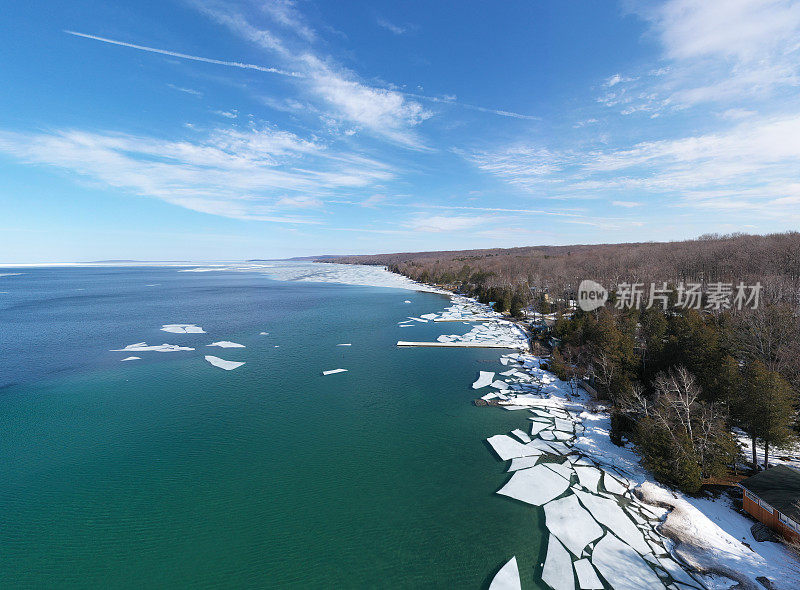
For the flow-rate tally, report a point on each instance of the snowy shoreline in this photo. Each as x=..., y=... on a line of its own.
x=623, y=526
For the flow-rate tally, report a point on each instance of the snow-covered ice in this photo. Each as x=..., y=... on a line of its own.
x=622, y=566
x=226, y=344
x=144, y=347
x=484, y=379
x=508, y=448
x=537, y=485
x=523, y=436
x=523, y=462
x=334, y=371
x=222, y=363
x=557, y=570
x=609, y=513
x=587, y=576
x=612, y=484
x=589, y=477
x=182, y=329
x=507, y=578
x=571, y=523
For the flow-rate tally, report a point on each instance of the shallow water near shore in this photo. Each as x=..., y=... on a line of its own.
x=167, y=471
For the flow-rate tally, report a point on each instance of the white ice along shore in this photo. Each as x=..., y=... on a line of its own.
x=608, y=521
x=222, y=363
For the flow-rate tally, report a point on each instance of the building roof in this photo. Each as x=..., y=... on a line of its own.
x=779, y=487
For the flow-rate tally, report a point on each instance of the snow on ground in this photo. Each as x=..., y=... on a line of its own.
x=507, y=578
x=788, y=456
x=222, y=363
x=647, y=542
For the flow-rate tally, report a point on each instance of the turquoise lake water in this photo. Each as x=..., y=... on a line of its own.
x=169, y=472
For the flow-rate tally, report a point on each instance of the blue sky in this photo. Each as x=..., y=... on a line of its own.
x=215, y=130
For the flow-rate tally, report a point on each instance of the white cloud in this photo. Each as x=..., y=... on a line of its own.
x=423, y=222
x=753, y=164
x=186, y=90
x=230, y=172
x=227, y=114
x=714, y=51
x=396, y=29
x=626, y=204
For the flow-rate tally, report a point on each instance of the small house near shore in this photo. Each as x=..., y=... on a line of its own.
x=773, y=497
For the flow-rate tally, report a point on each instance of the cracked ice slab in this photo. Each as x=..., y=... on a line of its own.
x=182, y=329
x=222, y=363
x=523, y=462
x=521, y=435
x=226, y=344
x=571, y=523
x=537, y=485
x=612, y=484
x=507, y=578
x=508, y=448
x=484, y=379
x=622, y=567
x=589, y=477
x=587, y=576
x=537, y=427
x=609, y=513
x=557, y=570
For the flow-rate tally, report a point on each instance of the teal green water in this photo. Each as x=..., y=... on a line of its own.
x=168, y=472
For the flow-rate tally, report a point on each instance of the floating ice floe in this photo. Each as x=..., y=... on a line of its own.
x=547, y=435
x=507, y=578
x=589, y=477
x=418, y=319
x=484, y=379
x=508, y=448
x=538, y=427
x=523, y=436
x=428, y=316
x=263, y=333
x=499, y=384
x=523, y=462
x=677, y=572
x=557, y=572
x=571, y=523
x=612, y=485
x=345, y=344
x=226, y=344
x=334, y=371
x=609, y=513
x=131, y=358
x=222, y=363
x=537, y=485
x=406, y=301
x=563, y=469
x=144, y=347
x=182, y=329
x=622, y=567
x=587, y=576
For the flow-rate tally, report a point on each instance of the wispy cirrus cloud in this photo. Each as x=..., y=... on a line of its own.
x=390, y=26
x=251, y=174
x=754, y=164
x=713, y=52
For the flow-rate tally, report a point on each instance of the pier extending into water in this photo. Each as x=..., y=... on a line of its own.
x=460, y=344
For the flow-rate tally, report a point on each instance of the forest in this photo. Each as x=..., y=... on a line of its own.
x=678, y=378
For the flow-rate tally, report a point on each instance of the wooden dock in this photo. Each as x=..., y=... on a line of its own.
x=460, y=344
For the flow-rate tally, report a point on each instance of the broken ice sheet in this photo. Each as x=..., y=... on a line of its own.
x=557, y=570
x=571, y=523
x=507, y=578
x=622, y=567
x=536, y=485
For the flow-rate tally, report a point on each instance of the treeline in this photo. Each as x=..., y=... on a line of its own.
x=548, y=276
x=677, y=379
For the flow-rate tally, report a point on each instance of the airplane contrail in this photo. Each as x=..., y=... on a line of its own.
x=208, y=60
